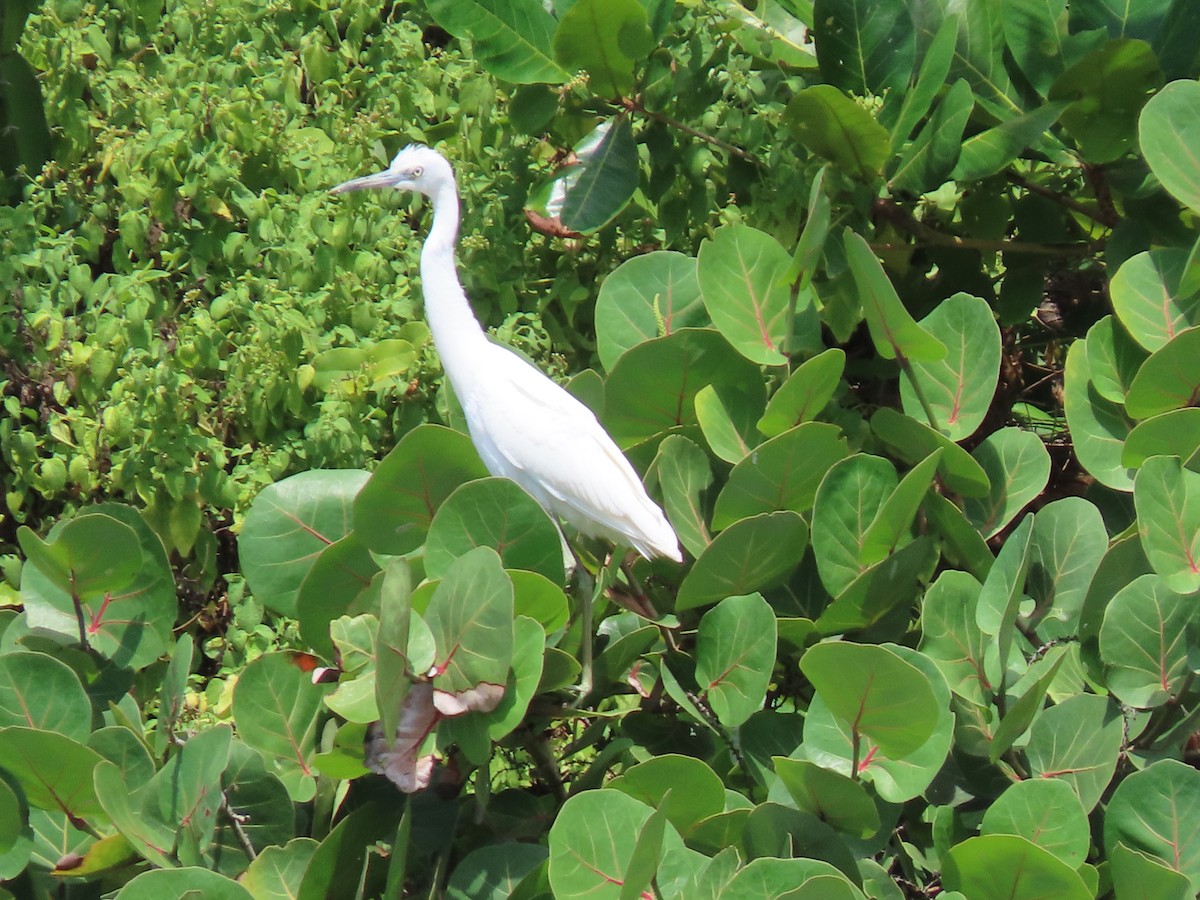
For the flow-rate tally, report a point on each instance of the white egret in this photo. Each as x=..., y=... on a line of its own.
x=524, y=426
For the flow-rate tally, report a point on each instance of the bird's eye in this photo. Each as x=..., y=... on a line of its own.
x=417, y=172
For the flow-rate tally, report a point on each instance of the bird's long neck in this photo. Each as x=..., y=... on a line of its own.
x=456, y=332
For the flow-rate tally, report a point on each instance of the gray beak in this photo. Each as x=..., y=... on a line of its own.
x=386, y=178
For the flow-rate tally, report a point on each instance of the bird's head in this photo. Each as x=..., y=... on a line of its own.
x=415, y=168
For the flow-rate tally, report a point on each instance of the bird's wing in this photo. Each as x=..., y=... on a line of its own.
x=554, y=443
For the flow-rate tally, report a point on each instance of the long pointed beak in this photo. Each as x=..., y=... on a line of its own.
x=386, y=178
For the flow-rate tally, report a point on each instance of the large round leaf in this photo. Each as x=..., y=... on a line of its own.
x=695, y=790
x=1078, y=741
x=1018, y=467
x=496, y=513
x=341, y=582
x=735, y=655
x=804, y=394
x=850, y=497
x=877, y=693
x=1098, y=426
x=592, y=843
x=1008, y=867
x=1157, y=811
x=186, y=882
x=1147, y=641
x=1167, y=499
x=740, y=277
x=644, y=298
x=1046, y=812
x=510, y=38
x=1169, y=132
x=1067, y=544
x=54, y=772
x=1175, y=433
x=1169, y=379
x=394, y=509
x=492, y=872
x=38, y=691
x=1149, y=299
x=605, y=37
x=288, y=524
x=958, y=387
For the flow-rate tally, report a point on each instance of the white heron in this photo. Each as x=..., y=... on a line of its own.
x=524, y=426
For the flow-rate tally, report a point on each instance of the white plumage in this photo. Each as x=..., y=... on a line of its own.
x=524, y=426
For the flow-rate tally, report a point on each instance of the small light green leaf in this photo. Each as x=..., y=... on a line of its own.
x=1005, y=866
x=825, y=121
x=804, y=394
x=749, y=555
x=1175, y=433
x=894, y=331
x=644, y=298
x=509, y=38
x=1169, y=379
x=1000, y=599
x=341, y=582
x=959, y=387
x=1068, y=542
x=782, y=473
x=735, y=655
x=605, y=37
x=1113, y=359
x=1155, y=811
x=895, y=518
x=727, y=422
x=849, y=499
x=951, y=637
x=1018, y=467
x=495, y=513
x=1167, y=499
x=1098, y=427
x=876, y=692
x=393, y=510
x=1169, y=132
x=288, y=524
x=1022, y=712
x=913, y=441
x=740, y=271
x=685, y=788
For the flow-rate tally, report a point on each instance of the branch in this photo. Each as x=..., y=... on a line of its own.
x=904, y=220
x=1104, y=214
x=636, y=106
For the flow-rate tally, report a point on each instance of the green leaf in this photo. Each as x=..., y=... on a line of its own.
x=882, y=587
x=1107, y=89
x=825, y=121
x=961, y=543
x=1008, y=867
x=914, y=441
x=735, y=655
x=864, y=47
x=877, y=693
x=605, y=37
x=775, y=830
x=770, y=878
x=644, y=298
x=131, y=625
x=1139, y=874
x=749, y=555
x=895, y=518
x=683, y=787
x=278, y=870
x=951, y=637
x=276, y=708
x=1175, y=433
x=1167, y=499
x=994, y=149
x=88, y=557
x=393, y=510
x=652, y=387
x=727, y=422
x=1155, y=811
x=979, y=57
x=1018, y=467
x=184, y=790
x=1026, y=707
x=140, y=824
x=471, y=617
x=830, y=796
x=1043, y=811
x=1150, y=299
x=1113, y=359
x=1168, y=379
x=850, y=498
x=609, y=176
x=492, y=872
x=929, y=160
x=894, y=331
x=1098, y=426
x=1169, y=131
x=288, y=524
x=341, y=582
x=495, y=513
x=782, y=473
x=40, y=692
x=740, y=271
x=53, y=771
x=1077, y=741
x=684, y=474
x=190, y=881
x=341, y=858
x=804, y=394
x=172, y=694
x=931, y=78
x=592, y=842
x=509, y=38
x=1000, y=598
x=1067, y=544
x=959, y=387
x=1146, y=642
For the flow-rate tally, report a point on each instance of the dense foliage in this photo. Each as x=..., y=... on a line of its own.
x=895, y=304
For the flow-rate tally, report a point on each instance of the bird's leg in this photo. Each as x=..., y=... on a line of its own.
x=590, y=591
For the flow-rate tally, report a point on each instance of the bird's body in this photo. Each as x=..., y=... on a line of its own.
x=524, y=426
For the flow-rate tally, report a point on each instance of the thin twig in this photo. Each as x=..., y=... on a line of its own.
x=1096, y=214
x=636, y=106
x=236, y=824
